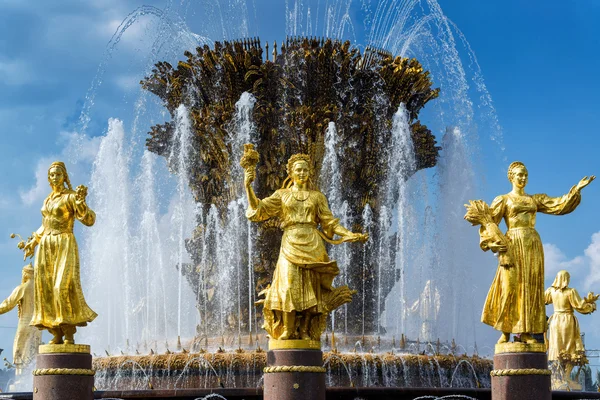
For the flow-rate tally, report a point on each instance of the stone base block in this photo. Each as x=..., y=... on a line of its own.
x=521, y=374
x=61, y=375
x=294, y=375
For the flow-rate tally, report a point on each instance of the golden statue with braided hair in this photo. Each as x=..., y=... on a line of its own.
x=59, y=306
x=515, y=301
x=301, y=294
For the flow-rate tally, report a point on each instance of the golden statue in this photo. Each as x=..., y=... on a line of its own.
x=564, y=339
x=27, y=338
x=515, y=301
x=59, y=305
x=301, y=294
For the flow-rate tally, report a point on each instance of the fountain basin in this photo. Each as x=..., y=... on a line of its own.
x=244, y=369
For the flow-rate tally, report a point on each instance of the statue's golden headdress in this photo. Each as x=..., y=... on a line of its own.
x=290, y=166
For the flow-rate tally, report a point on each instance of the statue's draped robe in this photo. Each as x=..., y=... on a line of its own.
x=303, y=269
x=58, y=294
x=515, y=302
x=27, y=338
x=563, y=327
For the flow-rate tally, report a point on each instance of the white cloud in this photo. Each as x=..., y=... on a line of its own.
x=584, y=269
x=15, y=72
x=593, y=255
x=133, y=35
x=40, y=188
x=127, y=82
x=79, y=147
x=79, y=151
x=5, y=202
x=555, y=260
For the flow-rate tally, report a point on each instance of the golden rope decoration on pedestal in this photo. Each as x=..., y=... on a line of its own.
x=293, y=368
x=64, y=371
x=522, y=371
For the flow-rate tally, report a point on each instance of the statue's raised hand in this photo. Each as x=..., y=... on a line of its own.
x=80, y=194
x=585, y=181
x=591, y=297
x=29, y=249
x=358, y=237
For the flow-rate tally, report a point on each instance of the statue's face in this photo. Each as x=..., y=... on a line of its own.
x=56, y=177
x=300, y=172
x=520, y=177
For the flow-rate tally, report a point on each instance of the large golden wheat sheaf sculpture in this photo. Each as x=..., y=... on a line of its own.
x=299, y=88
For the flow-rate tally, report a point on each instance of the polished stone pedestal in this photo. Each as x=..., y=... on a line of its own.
x=294, y=371
x=63, y=372
x=521, y=372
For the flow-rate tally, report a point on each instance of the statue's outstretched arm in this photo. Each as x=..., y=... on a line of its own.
x=12, y=300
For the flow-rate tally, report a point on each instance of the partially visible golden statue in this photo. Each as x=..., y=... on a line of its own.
x=564, y=339
x=301, y=294
x=27, y=338
x=59, y=304
x=515, y=301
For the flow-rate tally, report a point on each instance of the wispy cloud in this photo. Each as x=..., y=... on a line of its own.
x=16, y=72
x=40, y=189
x=584, y=268
x=78, y=150
x=593, y=254
x=555, y=260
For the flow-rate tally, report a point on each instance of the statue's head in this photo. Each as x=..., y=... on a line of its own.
x=57, y=175
x=517, y=174
x=562, y=280
x=27, y=273
x=299, y=169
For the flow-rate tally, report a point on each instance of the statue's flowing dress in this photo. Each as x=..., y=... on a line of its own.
x=563, y=327
x=303, y=269
x=515, y=301
x=58, y=294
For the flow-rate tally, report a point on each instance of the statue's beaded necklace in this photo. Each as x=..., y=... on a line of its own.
x=305, y=195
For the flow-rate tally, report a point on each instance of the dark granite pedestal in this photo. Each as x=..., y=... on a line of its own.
x=521, y=372
x=294, y=371
x=63, y=372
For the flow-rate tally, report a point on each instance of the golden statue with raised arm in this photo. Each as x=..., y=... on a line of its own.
x=59, y=306
x=515, y=301
x=301, y=294
x=27, y=338
x=564, y=339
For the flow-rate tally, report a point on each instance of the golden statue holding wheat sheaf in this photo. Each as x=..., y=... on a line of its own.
x=515, y=301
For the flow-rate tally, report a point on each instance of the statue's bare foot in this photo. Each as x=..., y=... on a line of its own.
x=285, y=335
x=57, y=337
x=504, y=337
x=527, y=338
x=304, y=335
x=69, y=332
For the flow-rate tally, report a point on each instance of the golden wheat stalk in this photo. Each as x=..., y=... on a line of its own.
x=479, y=213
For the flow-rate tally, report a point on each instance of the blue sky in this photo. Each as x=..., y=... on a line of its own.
x=539, y=60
